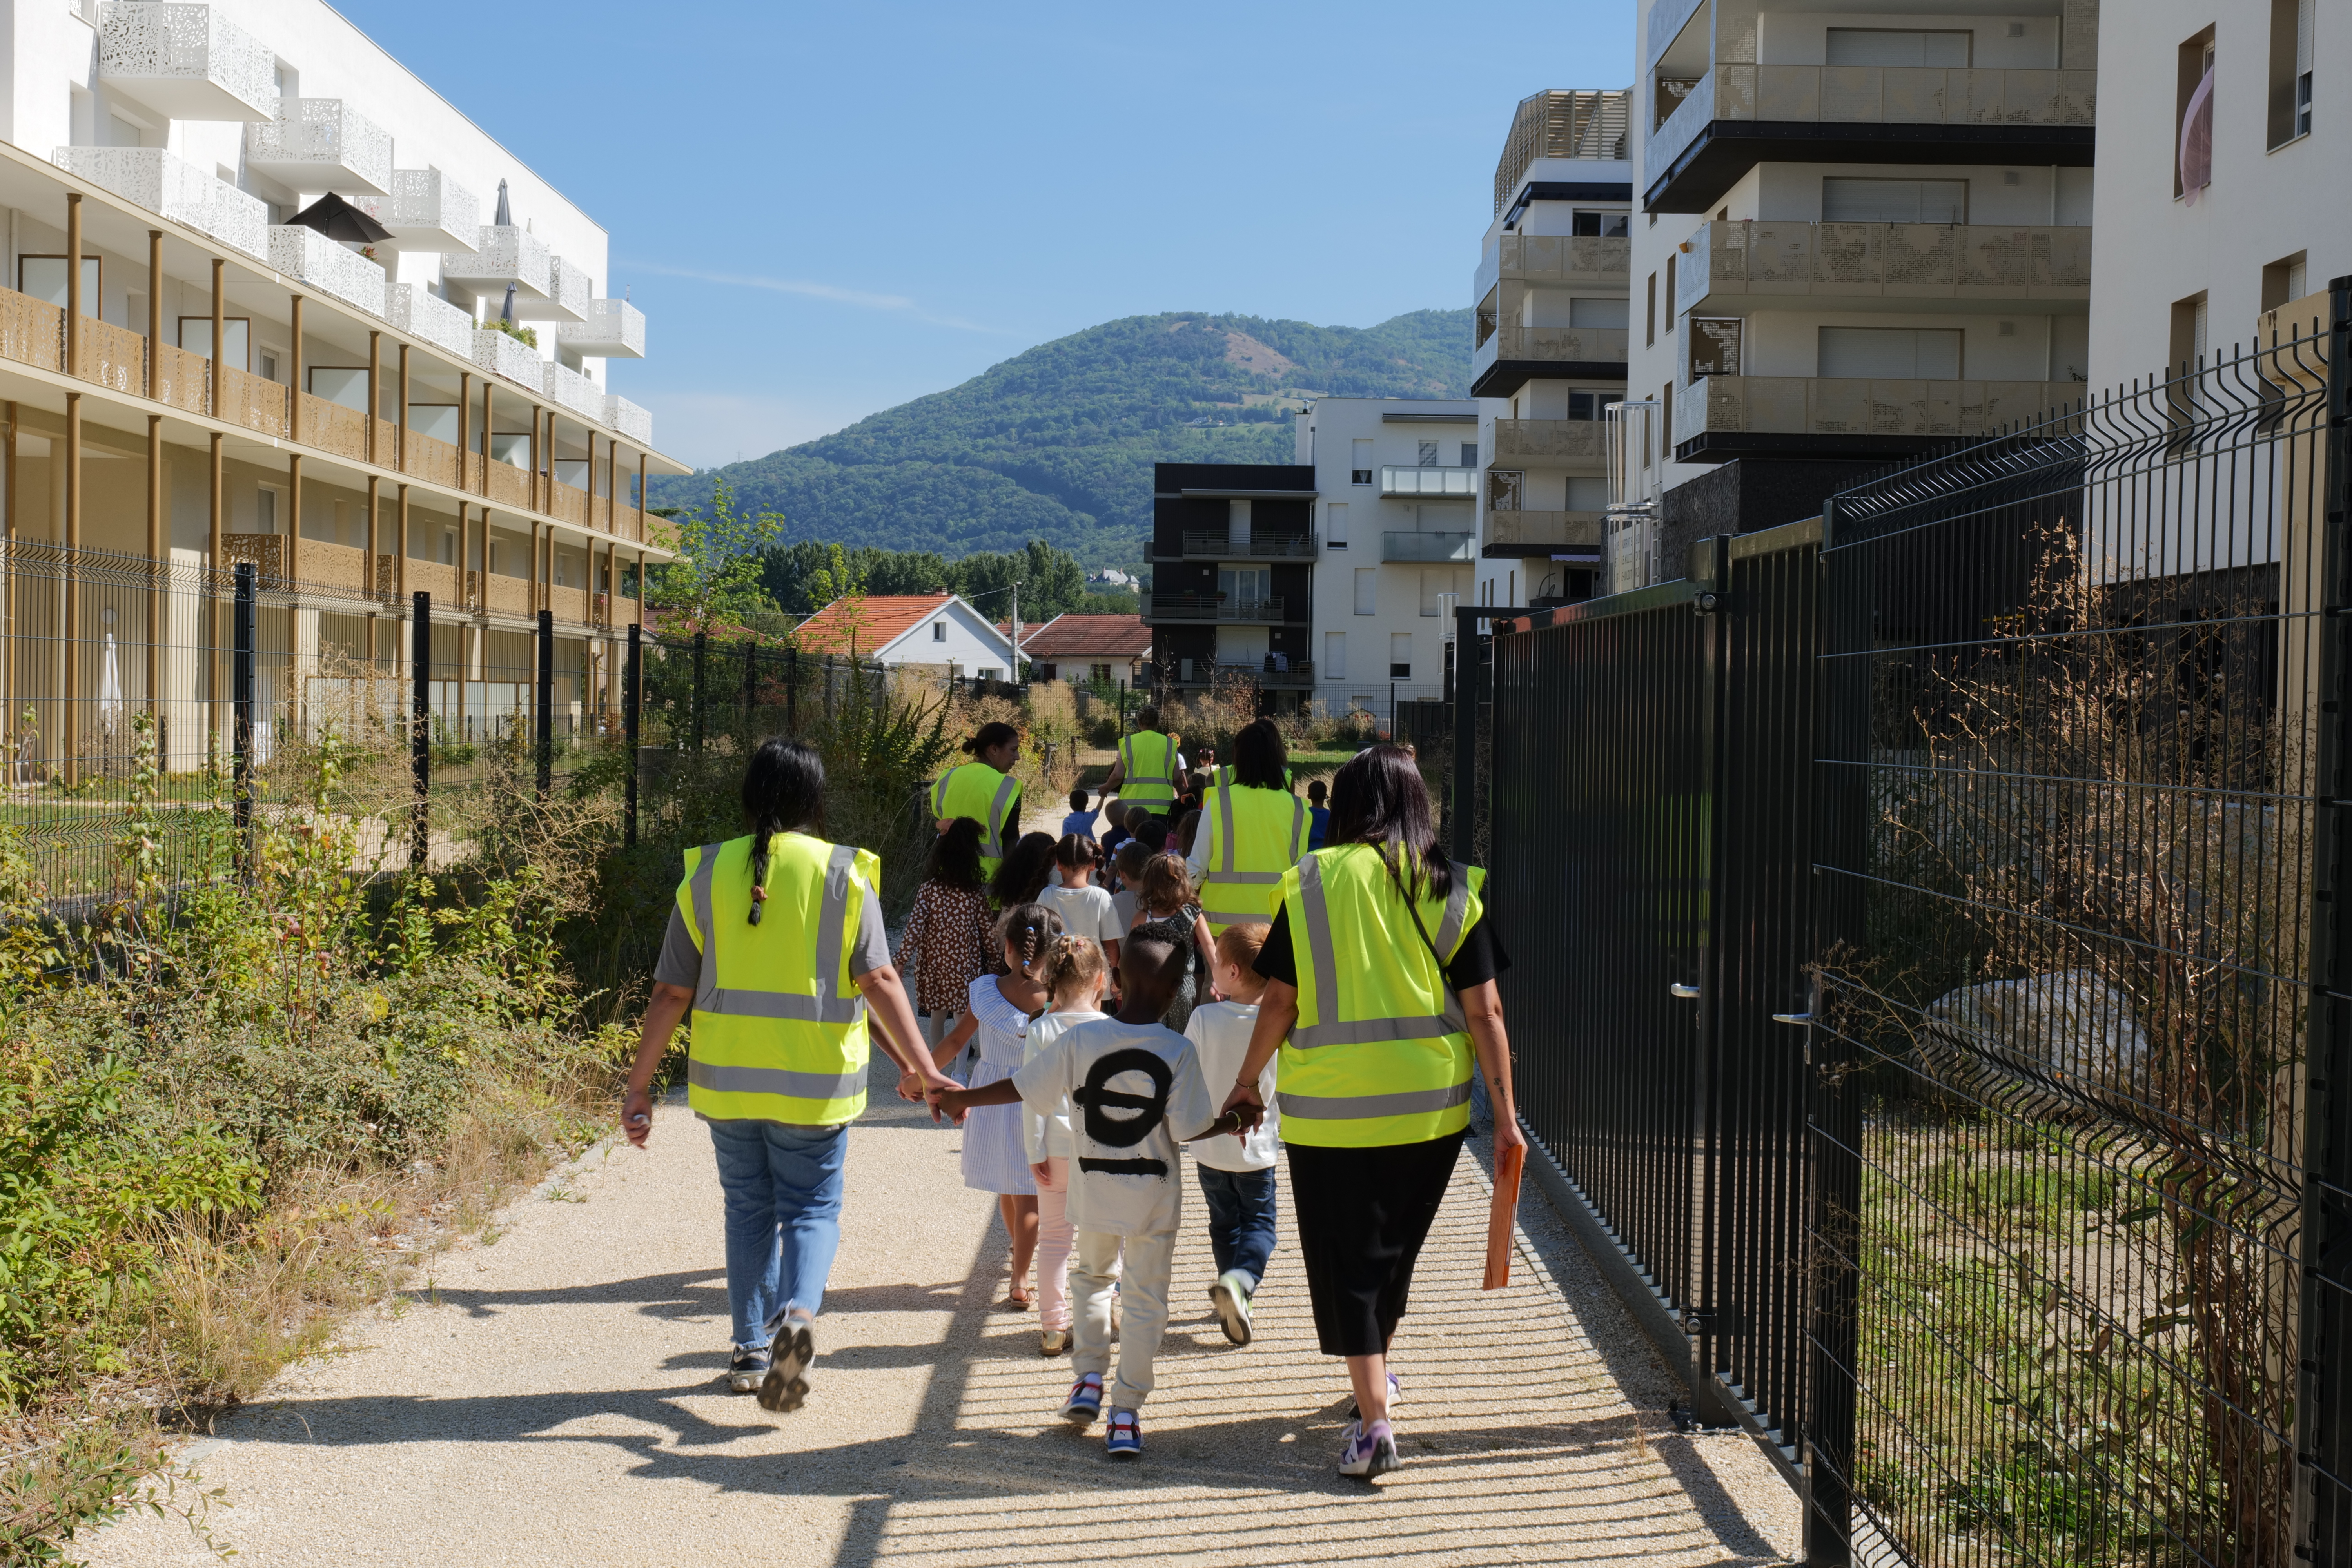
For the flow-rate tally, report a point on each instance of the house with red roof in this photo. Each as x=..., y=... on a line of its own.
x=931, y=629
x=1086, y=647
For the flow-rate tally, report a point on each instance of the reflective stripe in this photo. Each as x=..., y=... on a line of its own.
x=996, y=813
x=1457, y=904
x=773, y=1081
x=1322, y=955
x=1371, y=1031
x=1243, y=877
x=1225, y=815
x=1361, y=1107
x=1298, y=820
x=1233, y=917
x=821, y=1006
x=1166, y=761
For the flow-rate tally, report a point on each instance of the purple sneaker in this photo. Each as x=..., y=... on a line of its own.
x=1370, y=1451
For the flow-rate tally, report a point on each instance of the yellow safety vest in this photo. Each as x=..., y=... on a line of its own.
x=1221, y=777
x=988, y=797
x=1254, y=835
x=1380, y=1054
x=779, y=1031
x=1148, y=761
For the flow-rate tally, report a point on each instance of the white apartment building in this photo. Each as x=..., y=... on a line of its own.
x=1865, y=230
x=1551, y=341
x=1396, y=485
x=189, y=378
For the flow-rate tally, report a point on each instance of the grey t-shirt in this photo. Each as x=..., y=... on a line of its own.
x=681, y=961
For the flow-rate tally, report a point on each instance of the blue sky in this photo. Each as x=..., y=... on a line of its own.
x=827, y=210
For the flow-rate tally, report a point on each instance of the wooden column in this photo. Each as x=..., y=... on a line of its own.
x=212, y=400
x=375, y=505
x=641, y=520
x=465, y=425
x=73, y=283
x=537, y=602
x=69, y=743
x=375, y=391
x=489, y=394
x=157, y=557
x=400, y=458
x=538, y=494
x=8, y=580
x=294, y=518
x=215, y=569
x=400, y=549
x=294, y=395
x=154, y=305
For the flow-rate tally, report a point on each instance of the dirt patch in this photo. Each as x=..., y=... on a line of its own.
x=1246, y=350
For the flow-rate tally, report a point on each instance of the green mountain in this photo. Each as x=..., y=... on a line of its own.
x=1057, y=443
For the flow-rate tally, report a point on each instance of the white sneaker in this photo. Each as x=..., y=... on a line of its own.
x=1370, y=1451
x=1233, y=1303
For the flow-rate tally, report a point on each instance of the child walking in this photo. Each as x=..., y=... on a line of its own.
x=1169, y=907
x=1086, y=909
x=1081, y=819
x=1074, y=976
x=1136, y=1092
x=1237, y=1175
x=998, y=1008
x=947, y=930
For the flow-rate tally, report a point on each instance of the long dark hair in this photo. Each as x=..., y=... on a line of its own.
x=1260, y=759
x=996, y=733
x=1023, y=875
x=783, y=792
x=955, y=855
x=1378, y=798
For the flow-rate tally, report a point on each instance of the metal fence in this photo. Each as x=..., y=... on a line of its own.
x=1955, y=1063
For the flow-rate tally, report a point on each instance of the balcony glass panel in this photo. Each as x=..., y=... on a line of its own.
x=1421, y=546
x=1455, y=484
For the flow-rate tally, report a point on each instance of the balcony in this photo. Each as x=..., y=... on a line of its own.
x=412, y=310
x=1212, y=545
x=609, y=329
x=502, y=255
x=1518, y=535
x=1396, y=545
x=570, y=389
x=1210, y=609
x=1203, y=672
x=1583, y=123
x=1722, y=416
x=321, y=264
x=1550, y=441
x=630, y=420
x=1729, y=267
x=1513, y=356
x=185, y=62
x=1556, y=262
x=176, y=189
x=1737, y=116
x=509, y=357
x=426, y=211
x=569, y=294
x=1428, y=484
x=321, y=144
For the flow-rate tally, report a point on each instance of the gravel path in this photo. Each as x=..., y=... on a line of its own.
x=551, y=1398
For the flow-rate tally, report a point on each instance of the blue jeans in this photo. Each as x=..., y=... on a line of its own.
x=1241, y=1219
x=782, y=1187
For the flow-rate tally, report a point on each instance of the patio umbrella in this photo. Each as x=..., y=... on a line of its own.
x=506, y=216
x=505, y=312
x=111, y=706
x=338, y=220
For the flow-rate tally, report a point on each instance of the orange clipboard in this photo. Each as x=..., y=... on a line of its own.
x=1502, y=1215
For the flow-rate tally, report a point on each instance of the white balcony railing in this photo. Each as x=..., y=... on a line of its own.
x=426, y=211
x=310, y=258
x=630, y=420
x=185, y=62
x=1744, y=262
x=1549, y=441
x=176, y=189
x=570, y=389
x=1545, y=533
x=1557, y=261
x=569, y=292
x=1816, y=406
x=613, y=329
x=1554, y=346
x=509, y=357
x=1397, y=545
x=411, y=310
x=502, y=255
x=1451, y=484
x=321, y=143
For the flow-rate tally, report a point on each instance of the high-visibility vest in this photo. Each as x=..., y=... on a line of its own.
x=1148, y=760
x=1254, y=835
x=1221, y=777
x=779, y=1031
x=988, y=797
x=1380, y=1054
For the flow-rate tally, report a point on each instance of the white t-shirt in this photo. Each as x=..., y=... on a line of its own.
x=1220, y=1033
x=1085, y=912
x=1047, y=1135
x=1135, y=1092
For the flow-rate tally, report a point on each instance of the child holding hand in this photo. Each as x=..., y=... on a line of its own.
x=1236, y=1175
x=1073, y=975
x=1136, y=1091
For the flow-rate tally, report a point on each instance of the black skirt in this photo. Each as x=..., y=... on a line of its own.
x=1361, y=1215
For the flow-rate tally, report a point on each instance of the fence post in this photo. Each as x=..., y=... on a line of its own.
x=793, y=691
x=240, y=686
x=420, y=727
x=632, y=690
x=543, y=718
x=701, y=651
x=1462, y=811
x=828, y=686
x=1833, y=1091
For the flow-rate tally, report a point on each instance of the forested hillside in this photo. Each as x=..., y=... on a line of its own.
x=1057, y=443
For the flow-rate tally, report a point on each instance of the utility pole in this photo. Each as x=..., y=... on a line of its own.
x=1017, y=634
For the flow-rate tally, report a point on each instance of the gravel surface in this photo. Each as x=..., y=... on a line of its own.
x=553, y=1397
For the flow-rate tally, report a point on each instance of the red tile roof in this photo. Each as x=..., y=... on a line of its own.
x=872, y=623
x=1103, y=637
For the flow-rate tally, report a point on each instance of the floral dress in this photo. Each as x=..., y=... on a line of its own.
x=947, y=931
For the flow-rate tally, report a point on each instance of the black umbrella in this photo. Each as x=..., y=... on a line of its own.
x=505, y=312
x=338, y=220
x=506, y=217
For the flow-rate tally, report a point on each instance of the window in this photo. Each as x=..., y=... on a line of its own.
x=1600, y=225
x=1334, y=525
x=1605, y=314
x=1898, y=46
x=1368, y=590
x=1245, y=587
x=2188, y=337
x=1429, y=454
x=1400, y=656
x=1670, y=289
x=448, y=547
x=1098, y=672
x=939, y=631
x=1335, y=656
x=1904, y=354
x=1584, y=406
x=2290, y=95
x=44, y=278
x=1435, y=581
x=2192, y=167
x=1469, y=454
x=1587, y=494
x=265, y=510
x=1895, y=201
x=1360, y=464
x=2284, y=279
x=1650, y=313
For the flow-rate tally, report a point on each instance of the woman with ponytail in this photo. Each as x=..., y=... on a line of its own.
x=776, y=944
x=983, y=791
x=997, y=1011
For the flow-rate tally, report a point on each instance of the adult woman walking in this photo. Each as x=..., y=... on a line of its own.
x=983, y=790
x=776, y=944
x=1253, y=829
x=1380, y=1006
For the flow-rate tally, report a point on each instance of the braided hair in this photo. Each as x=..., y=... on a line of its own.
x=1071, y=963
x=783, y=792
x=1030, y=928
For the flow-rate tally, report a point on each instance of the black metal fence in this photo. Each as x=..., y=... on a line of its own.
x=1954, y=1059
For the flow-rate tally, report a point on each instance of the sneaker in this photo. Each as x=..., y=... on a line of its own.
x=1085, y=1400
x=786, y=1385
x=1126, y=1438
x=1370, y=1451
x=1396, y=1397
x=1053, y=1343
x=749, y=1368
x=1232, y=1301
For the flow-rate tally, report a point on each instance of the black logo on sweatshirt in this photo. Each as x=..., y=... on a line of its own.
x=1098, y=1101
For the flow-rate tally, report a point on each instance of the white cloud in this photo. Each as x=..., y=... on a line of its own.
x=894, y=303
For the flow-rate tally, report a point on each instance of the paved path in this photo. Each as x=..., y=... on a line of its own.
x=551, y=1398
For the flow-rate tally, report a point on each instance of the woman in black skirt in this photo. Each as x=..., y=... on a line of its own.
x=1380, y=1001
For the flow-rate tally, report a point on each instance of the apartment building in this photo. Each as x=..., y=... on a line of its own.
x=1864, y=232
x=1551, y=338
x=1397, y=482
x=1234, y=552
x=203, y=361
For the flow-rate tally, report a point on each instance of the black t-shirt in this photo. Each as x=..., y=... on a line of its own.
x=1479, y=959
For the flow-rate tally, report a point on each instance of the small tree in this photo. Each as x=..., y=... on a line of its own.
x=717, y=573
